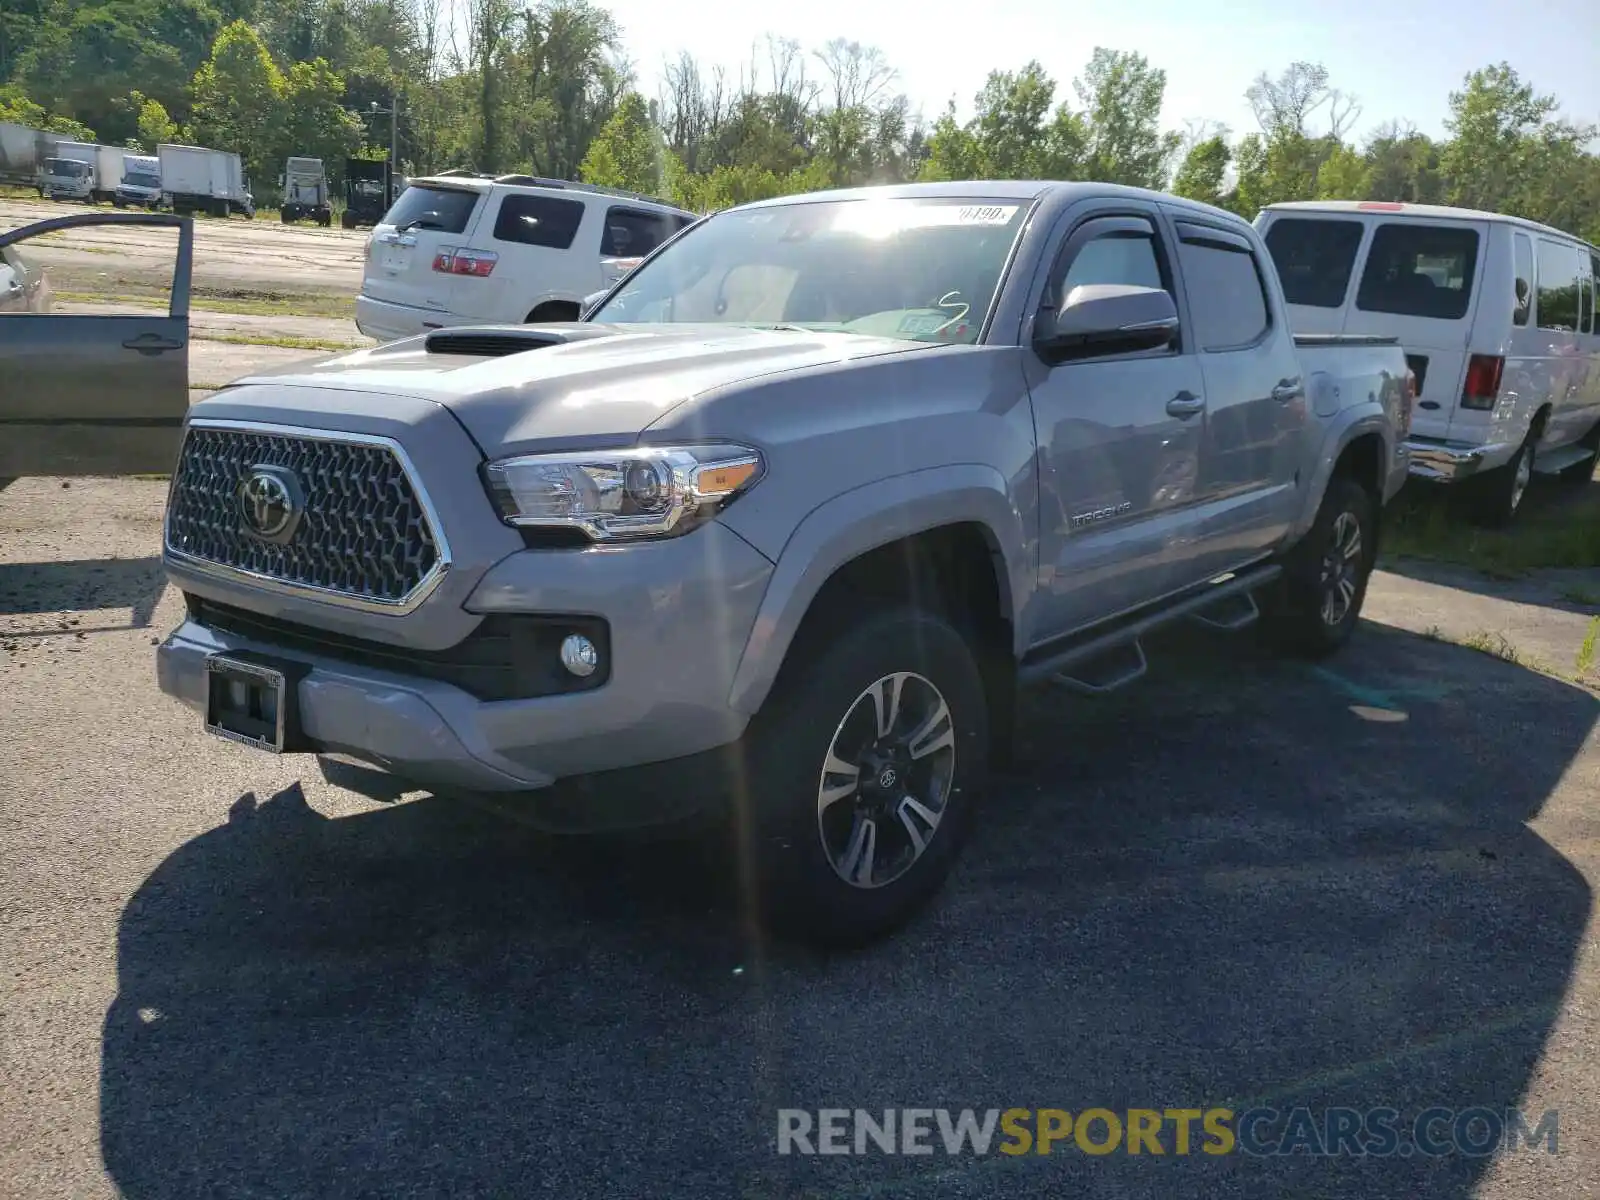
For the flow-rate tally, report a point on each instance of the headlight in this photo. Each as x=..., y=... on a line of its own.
x=618, y=495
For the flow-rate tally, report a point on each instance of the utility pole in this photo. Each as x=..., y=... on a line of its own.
x=394, y=137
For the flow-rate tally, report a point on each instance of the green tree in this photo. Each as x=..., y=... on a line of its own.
x=1494, y=124
x=17, y=109
x=312, y=119
x=1344, y=175
x=626, y=153
x=1203, y=170
x=1403, y=166
x=239, y=98
x=1121, y=94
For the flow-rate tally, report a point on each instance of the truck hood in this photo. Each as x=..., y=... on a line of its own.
x=517, y=387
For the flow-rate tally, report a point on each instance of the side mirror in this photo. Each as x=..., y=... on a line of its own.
x=589, y=302
x=1105, y=318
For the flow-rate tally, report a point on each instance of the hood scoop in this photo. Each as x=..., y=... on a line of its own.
x=497, y=341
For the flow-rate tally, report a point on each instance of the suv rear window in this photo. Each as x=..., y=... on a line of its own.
x=1419, y=271
x=445, y=209
x=1314, y=259
x=633, y=234
x=538, y=221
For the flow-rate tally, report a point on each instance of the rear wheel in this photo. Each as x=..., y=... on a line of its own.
x=1498, y=496
x=866, y=766
x=1316, y=605
x=346, y=221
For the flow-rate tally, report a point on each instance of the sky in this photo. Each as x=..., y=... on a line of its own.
x=1401, y=58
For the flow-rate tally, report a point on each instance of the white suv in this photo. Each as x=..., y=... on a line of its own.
x=464, y=249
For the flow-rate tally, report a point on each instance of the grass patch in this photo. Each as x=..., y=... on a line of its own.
x=1579, y=595
x=269, y=339
x=1495, y=645
x=1586, y=651
x=1559, y=526
x=228, y=302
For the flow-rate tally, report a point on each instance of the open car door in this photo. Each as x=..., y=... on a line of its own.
x=85, y=394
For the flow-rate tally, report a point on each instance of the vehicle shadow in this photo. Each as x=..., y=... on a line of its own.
x=84, y=585
x=1226, y=887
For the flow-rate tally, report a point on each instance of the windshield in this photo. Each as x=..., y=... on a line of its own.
x=67, y=168
x=144, y=181
x=923, y=269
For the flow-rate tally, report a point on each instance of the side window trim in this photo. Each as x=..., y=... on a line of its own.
x=1114, y=223
x=1214, y=237
x=1522, y=247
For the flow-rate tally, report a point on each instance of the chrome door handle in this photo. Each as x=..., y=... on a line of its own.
x=1185, y=404
x=152, y=343
x=1287, y=390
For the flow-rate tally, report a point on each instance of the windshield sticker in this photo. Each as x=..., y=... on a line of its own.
x=882, y=218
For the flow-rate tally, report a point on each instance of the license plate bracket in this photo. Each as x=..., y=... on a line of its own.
x=253, y=700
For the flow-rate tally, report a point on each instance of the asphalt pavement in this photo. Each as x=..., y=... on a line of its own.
x=1243, y=883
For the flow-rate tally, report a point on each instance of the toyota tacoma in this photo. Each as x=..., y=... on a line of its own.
x=814, y=495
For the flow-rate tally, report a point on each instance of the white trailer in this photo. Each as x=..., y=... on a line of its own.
x=22, y=150
x=196, y=178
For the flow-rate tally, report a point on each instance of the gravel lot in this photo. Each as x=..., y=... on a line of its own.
x=1243, y=882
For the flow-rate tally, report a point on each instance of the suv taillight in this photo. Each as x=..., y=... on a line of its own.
x=1409, y=395
x=1483, y=381
x=463, y=260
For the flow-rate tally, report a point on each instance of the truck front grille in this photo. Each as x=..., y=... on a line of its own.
x=362, y=533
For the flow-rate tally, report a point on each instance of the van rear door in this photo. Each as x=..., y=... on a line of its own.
x=1419, y=282
x=427, y=218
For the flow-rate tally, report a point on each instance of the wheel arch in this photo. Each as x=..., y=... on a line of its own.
x=951, y=530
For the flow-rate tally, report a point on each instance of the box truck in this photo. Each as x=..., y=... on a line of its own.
x=141, y=182
x=212, y=181
x=23, y=150
x=81, y=171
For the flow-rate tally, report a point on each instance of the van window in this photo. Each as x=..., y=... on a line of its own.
x=1314, y=259
x=1522, y=300
x=538, y=221
x=1560, y=299
x=1419, y=271
x=633, y=234
x=445, y=209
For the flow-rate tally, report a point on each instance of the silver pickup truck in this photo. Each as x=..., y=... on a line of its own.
x=809, y=497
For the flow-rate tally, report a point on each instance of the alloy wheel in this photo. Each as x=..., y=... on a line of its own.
x=1341, y=568
x=886, y=780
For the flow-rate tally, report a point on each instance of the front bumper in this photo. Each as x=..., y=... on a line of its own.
x=679, y=613
x=1451, y=462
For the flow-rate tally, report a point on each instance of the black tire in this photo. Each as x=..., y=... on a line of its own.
x=1497, y=497
x=285, y=216
x=818, y=708
x=346, y=221
x=1297, y=614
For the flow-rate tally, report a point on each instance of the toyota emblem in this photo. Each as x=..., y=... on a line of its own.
x=270, y=503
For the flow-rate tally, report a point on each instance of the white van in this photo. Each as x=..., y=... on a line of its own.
x=461, y=249
x=1497, y=317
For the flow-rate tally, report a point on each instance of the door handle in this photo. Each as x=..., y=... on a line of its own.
x=1185, y=404
x=152, y=343
x=1288, y=389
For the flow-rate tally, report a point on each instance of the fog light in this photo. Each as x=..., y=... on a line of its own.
x=578, y=655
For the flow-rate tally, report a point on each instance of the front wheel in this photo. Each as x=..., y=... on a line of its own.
x=1316, y=605
x=866, y=765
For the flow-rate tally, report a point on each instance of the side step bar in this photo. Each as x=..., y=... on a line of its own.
x=1559, y=460
x=1227, y=604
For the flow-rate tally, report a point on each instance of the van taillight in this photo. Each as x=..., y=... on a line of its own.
x=463, y=260
x=1483, y=381
x=1409, y=395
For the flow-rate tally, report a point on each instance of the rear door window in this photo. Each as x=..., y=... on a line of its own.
x=547, y=221
x=1522, y=246
x=444, y=209
x=1416, y=270
x=630, y=233
x=1560, y=292
x=1226, y=295
x=1314, y=259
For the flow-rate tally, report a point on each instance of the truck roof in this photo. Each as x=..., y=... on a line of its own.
x=1059, y=192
